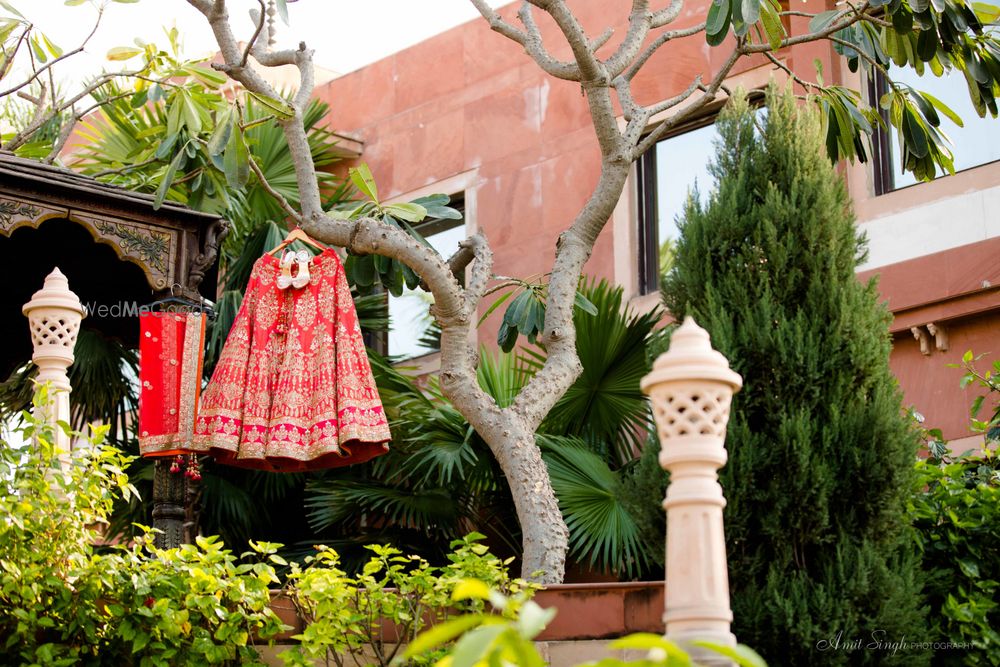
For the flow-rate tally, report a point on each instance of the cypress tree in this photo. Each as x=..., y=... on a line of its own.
x=821, y=560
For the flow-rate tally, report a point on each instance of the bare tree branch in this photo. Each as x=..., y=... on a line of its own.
x=691, y=110
x=677, y=99
x=623, y=89
x=497, y=23
x=660, y=40
x=67, y=129
x=591, y=68
x=481, y=270
x=23, y=136
x=601, y=39
x=259, y=17
x=639, y=22
x=794, y=77
x=298, y=143
x=668, y=14
x=535, y=48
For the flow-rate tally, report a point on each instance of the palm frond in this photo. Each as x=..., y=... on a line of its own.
x=229, y=509
x=501, y=375
x=104, y=376
x=602, y=531
x=262, y=238
x=605, y=405
x=373, y=311
x=333, y=501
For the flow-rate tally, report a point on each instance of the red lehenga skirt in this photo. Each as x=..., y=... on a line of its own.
x=293, y=389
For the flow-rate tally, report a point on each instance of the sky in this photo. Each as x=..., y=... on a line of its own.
x=345, y=34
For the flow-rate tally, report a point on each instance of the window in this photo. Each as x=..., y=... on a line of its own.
x=410, y=331
x=666, y=174
x=974, y=144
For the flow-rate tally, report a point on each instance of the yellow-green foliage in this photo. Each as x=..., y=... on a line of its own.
x=64, y=602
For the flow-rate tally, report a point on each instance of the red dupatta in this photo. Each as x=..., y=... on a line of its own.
x=171, y=353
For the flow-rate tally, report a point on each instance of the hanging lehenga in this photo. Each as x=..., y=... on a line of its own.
x=293, y=389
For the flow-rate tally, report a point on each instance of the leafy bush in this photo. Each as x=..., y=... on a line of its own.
x=956, y=513
x=62, y=601
x=348, y=615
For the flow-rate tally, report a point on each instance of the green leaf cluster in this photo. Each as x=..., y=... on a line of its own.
x=955, y=509
x=525, y=314
x=371, y=273
x=347, y=616
x=745, y=19
x=64, y=601
x=936, y=36
x=956, y=513
x=506, y=639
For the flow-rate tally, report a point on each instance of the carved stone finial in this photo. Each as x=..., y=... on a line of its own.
x=691, y=356
x=54, y=315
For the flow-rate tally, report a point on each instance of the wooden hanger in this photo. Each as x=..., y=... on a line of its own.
x=297, y=235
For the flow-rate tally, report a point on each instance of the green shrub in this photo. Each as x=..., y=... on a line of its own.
x=64, y=602
x=346, y=615
x=956, y=513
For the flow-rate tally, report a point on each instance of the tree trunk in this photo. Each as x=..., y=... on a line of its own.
x=545, y=539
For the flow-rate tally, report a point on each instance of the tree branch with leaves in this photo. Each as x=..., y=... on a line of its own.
x=873, y=36
x=42, y=128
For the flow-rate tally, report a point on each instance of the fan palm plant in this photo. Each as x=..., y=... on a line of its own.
x=105, y=368
x=605, y=406
x=604, y=529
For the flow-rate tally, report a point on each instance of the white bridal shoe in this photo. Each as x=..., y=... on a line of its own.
x=301, y=278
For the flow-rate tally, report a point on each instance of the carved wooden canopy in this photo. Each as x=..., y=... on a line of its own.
x=113, y=246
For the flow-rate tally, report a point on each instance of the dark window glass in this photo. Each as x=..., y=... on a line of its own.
x=667, y=173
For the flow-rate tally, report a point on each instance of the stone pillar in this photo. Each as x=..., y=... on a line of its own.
x=691, y=387
x=54, y=315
